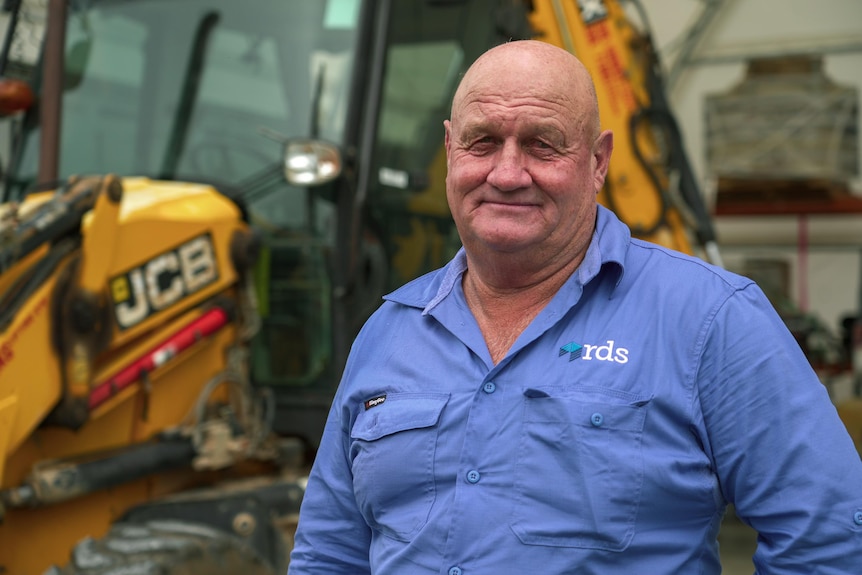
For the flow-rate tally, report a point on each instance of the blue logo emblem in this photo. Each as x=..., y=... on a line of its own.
x=573, y=349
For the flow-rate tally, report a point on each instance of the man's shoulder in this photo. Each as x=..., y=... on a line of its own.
x=662, y=263
x=668, y=265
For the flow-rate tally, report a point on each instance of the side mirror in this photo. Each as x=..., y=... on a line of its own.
x=311, y=162
x=15, y=96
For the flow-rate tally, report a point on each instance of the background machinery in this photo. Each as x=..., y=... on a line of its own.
x=651, y=184
x=202, y=202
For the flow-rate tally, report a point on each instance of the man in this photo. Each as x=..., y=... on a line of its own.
x=561, y=398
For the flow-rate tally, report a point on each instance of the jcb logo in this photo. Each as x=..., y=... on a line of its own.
x=163, y=281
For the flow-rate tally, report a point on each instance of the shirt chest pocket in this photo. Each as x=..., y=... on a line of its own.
x=580, y=470
x=392, y=458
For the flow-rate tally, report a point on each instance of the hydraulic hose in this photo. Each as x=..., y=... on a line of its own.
x=63, y=480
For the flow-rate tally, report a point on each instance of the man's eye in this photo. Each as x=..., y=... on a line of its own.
x=482, y=143
x=542, y=146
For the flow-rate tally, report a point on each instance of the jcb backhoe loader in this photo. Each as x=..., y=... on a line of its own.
x=203, y=201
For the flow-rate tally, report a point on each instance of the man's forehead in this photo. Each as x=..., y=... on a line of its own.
x=516, y=124
x=491, y=118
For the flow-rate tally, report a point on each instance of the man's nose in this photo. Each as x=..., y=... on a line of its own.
x=510, y=168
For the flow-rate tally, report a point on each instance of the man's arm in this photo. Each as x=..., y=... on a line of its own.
x=332, y=537
x=783, y=456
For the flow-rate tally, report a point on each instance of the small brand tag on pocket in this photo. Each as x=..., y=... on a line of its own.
x=374, y=401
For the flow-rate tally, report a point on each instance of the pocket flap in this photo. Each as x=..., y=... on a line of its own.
x=400, y=412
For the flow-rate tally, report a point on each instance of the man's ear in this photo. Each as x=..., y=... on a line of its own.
x=602, y=149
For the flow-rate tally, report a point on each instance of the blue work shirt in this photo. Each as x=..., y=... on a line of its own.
x=651, y=391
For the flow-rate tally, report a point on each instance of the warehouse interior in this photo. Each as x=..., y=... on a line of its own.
x=767, y=97
x=774, y=74
x=785, y=212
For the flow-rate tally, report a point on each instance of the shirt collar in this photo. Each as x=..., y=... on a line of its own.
x=607, y=250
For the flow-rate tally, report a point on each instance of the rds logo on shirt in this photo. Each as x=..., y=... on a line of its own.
x=588, y=352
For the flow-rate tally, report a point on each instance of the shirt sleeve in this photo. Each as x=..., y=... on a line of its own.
x=332, y=537
x=782, y=454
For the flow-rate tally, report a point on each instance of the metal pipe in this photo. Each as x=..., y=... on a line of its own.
x=50, y=112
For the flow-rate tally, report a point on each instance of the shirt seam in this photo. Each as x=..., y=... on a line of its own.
x=696, y=399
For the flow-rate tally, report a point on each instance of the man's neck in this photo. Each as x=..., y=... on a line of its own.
x=505, y=301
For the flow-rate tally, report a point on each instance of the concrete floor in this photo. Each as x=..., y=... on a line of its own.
x=736, y=544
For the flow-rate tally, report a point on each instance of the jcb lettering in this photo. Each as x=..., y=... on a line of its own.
x=163, y=281
x=197, y=263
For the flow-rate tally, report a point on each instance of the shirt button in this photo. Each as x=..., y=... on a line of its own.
x=489, y=387
x=473, y=476
x=857, y=518
x=455, y=571
x=596, y=419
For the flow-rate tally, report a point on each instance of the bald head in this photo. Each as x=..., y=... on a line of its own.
x=530, y=68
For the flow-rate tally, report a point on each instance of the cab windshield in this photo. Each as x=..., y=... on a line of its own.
x=197, y=90
x=208, y=91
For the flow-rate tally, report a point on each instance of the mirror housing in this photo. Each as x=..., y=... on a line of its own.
x=311, y=162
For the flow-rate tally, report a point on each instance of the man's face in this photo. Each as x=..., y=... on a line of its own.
x=522, y=174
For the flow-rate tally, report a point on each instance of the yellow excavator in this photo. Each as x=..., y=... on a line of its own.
x=202, y=202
